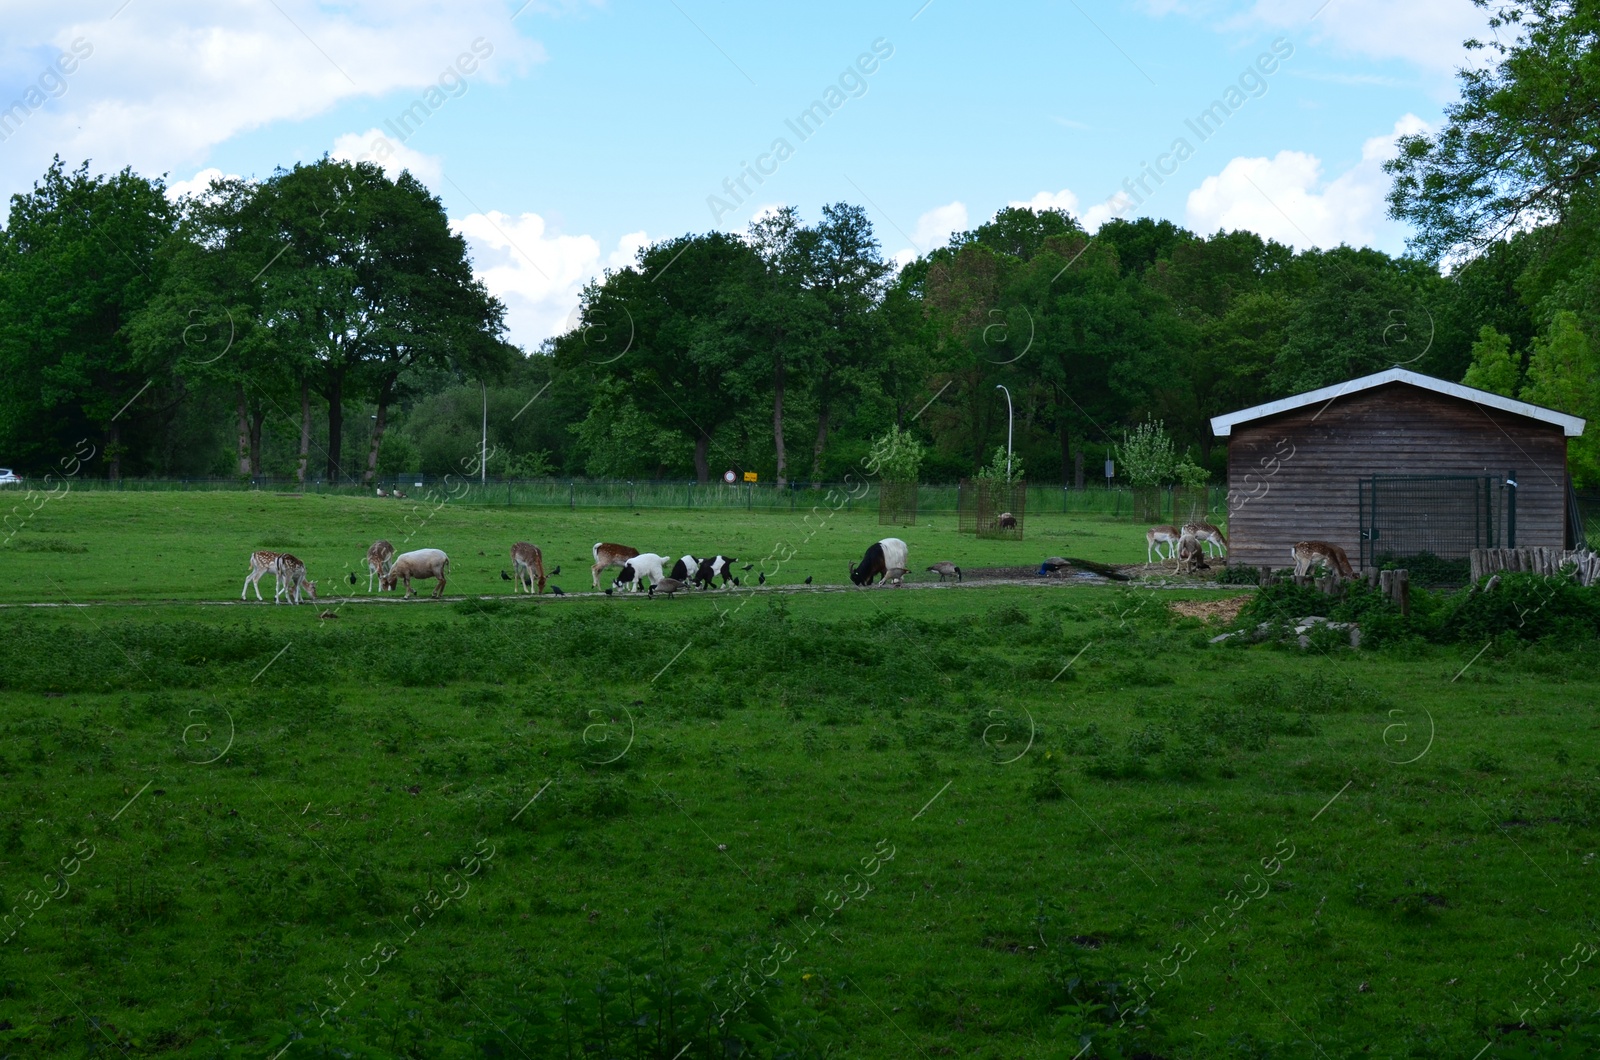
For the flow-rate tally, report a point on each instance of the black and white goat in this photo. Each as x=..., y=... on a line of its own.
x=714, y=568
x=880, y=558
x=685, y=569
x=644, y=565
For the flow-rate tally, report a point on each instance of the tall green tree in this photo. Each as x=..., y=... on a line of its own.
x=692, y=357
x=1564, y=374
x=781, y=312
x=1521, y=147
x=1493, y=368
x=78, y=261
x=847, y=276
x=206, y=315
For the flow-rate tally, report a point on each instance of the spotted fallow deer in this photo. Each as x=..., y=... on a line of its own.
x=378, y=558
x=527, y=565
x=1308, y=554
x=261, y=563
x=291, y=579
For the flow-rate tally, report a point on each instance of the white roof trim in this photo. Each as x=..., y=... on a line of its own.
x=1571, y=426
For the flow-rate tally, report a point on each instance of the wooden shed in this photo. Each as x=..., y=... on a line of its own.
x=1394, y=464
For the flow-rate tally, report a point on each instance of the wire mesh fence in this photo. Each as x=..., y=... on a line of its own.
x=930, y=500
x=1446, y=516
x=897, y=503
x=1000, y=508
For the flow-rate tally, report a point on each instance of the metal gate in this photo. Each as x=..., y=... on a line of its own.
x=1446, y=515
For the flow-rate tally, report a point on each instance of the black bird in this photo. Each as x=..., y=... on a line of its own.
x=747, y=566
x=808, y=579
x=608, y=592
x=352, y=577
x=504, y=576
x=736, y=583
x=557, y=590
x=761, y=579
x=556, y=571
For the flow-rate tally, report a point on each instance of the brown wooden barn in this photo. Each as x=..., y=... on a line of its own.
x=1393, y=464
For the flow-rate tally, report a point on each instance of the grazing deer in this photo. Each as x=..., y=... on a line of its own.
x=1191, y=555
x=378, y=557
x=1157, y=536
x=1208, y=535
x=607, y=554
x=1307, y=554
x=292, y=578
x=261, y=563
x=527, y=566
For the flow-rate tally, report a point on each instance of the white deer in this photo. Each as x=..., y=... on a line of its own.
x=1157, y=536
x=1209, y=536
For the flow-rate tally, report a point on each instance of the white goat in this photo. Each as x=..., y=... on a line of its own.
x=423, y=563
x=644, y=565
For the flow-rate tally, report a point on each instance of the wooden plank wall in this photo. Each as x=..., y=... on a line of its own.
x=1293, y=476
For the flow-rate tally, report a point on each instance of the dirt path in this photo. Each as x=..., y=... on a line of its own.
x=976, y=580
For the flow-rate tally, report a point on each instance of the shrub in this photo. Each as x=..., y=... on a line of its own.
x=1240, y=575
x=1427, y=569
x=1525, y=606
x=1282, y=603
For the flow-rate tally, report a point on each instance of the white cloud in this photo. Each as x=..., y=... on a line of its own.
x=1425, y=33
x=933, y=230
x=375, y=145
x=1091, y=219
x=1285, y=197
x=200, y=182
x=1049, y=200
x=164, y=82
x=538, y=274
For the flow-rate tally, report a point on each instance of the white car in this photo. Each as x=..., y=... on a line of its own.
x=9, y=477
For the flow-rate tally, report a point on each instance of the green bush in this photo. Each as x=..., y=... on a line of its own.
x=1239, y=575
x=1524, y=606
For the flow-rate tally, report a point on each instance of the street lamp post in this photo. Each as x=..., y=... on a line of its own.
x=1009, y=418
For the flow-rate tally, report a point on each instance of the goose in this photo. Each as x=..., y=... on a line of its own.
x=668, y=586
x=944, y=568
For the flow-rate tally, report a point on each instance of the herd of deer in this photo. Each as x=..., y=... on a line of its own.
x=1191, y=544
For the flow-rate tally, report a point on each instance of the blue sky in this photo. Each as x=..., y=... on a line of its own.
x=564, y=135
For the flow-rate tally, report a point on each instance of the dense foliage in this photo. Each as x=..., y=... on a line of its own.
x=277, y=327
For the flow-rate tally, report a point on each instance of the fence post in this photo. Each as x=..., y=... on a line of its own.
x=572, y=495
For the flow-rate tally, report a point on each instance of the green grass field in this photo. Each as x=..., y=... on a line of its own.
x=92, y=546
x=995, y=821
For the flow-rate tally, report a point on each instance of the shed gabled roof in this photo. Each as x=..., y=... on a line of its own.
x=1571, y=426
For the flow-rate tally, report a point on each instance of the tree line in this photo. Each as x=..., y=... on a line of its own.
x=325, y=321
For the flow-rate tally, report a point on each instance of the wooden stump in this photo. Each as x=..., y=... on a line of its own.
x=1396, y=586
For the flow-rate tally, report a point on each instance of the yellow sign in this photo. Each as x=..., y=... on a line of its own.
x=749, y=476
